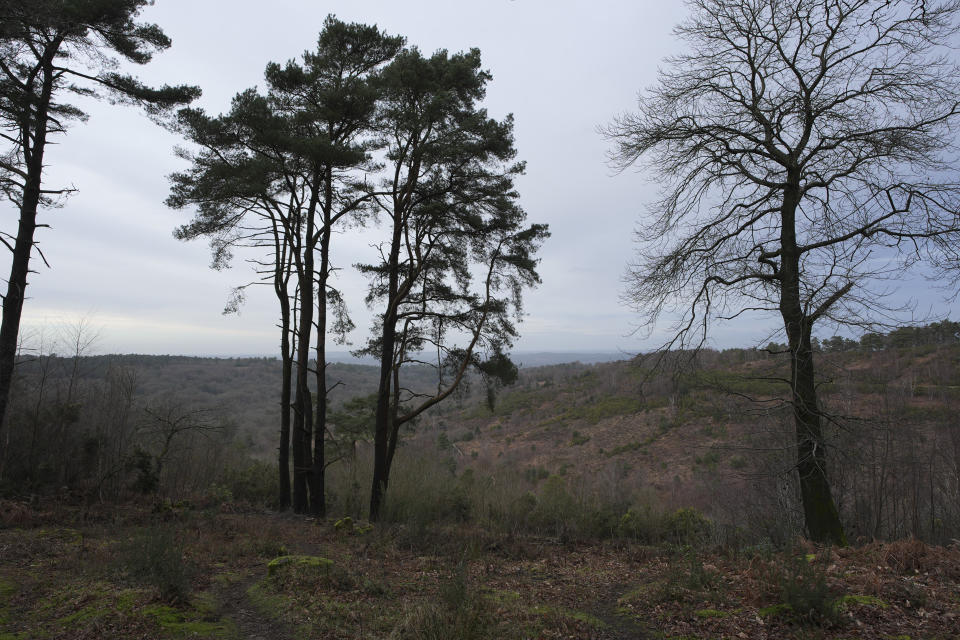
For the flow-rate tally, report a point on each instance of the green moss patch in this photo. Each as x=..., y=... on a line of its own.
x=188, y=623
x=265, y=602
x=7, y=590
x=347, y=526
x=570, y=614
x=277, y=564
x=90, y=612
x=706, y=614
x=865, y=601
x=775, y=611
x=501, y=596
x=227, y=578
x=634, y=594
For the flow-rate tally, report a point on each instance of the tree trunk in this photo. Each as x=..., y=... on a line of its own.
x=394, y=436
x=381, y=454
x=285, y=393
x=303, y=400
x=23, y=246
x=820, y=513
x=318, y=499
x=284, y=246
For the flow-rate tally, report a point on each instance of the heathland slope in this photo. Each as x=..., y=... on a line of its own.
x=710, y=431
x=716, y=434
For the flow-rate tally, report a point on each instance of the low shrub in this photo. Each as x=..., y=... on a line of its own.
x=687, y=575
x=687, y=526
x=533, y=475
x=257, y=483
x=424, y=490
x=805, y=593
x=909, y=556
x=461, y=613
x=155, y=557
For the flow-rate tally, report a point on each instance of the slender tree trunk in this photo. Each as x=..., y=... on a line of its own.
x=284, y=246
x=820, y=512
x=35, y=131
x=302, y=403
x=296, y=442
x=285, y=393
x=381, y=454
x=318, y=500
x=394, y=436
x=303, y=399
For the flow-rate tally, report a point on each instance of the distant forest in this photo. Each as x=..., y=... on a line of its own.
x=109, y=425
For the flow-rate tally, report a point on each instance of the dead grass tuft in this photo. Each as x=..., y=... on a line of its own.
x=909, y=557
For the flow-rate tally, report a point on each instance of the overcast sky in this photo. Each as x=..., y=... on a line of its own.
x=562, y=69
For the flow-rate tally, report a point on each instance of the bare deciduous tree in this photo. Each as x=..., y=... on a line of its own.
x=804, y=150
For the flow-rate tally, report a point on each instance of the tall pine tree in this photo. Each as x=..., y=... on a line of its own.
x=459, y=253
x=305, y=143
x=50, y=50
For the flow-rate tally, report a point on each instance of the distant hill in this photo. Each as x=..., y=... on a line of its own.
x=716, y=434
x=521, y=358
x=528, y=359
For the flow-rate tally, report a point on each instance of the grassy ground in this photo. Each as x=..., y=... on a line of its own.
x=172, y=572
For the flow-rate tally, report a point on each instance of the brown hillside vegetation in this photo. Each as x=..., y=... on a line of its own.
x=715, y=437
x=718, y=437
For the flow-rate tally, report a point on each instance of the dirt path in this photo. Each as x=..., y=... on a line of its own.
x=618, y=627
x=235, y=605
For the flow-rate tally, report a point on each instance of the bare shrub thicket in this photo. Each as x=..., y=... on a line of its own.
x=892, y=439
x=897, y=475
x=79, y=428
x=888, y=402
x=429, y=489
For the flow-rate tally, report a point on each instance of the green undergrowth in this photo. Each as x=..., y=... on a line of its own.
x=605, y=407
x=806, y=593
x=863, y=601
x=479, y=584
x=189, y=623
x=706, y=614
x=7, y=591
x=288, y=593
x=107, y=584
x=267, y=601
x=84, y=606
x=154, y=557
x=552, y=613
x=294, y=566
x=460, y=611
x=427, y=494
